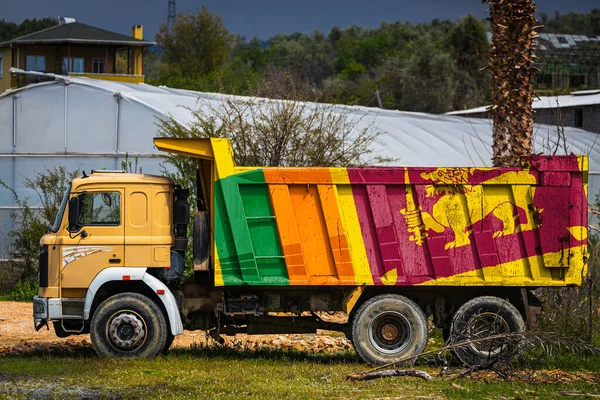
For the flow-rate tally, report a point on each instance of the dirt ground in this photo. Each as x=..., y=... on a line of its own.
x=18, y=336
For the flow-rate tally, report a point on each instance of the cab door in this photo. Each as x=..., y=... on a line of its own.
x=99, y=244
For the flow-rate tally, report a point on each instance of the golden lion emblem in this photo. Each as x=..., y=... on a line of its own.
x=461, y=205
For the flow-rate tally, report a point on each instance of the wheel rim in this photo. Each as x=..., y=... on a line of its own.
x=484, y=325
x=126, y=330
x=390, y=332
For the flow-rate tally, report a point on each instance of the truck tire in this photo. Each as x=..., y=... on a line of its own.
x=128, y=325
x=480, y=317
x=388, y=328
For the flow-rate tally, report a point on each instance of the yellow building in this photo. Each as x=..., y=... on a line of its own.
x=76, y=49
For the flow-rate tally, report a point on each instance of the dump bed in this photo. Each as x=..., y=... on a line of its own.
x=399, y=225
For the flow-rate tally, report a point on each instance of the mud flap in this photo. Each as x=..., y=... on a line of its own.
x=532, y=307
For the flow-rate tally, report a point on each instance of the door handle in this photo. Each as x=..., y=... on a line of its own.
x=114, y=260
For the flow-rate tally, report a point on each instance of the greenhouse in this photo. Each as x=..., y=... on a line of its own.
x=89, y=124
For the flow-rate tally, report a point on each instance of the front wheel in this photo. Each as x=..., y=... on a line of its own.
x=128, y=325
x=388, y=328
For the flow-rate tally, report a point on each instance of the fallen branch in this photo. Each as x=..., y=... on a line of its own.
x=389, y=372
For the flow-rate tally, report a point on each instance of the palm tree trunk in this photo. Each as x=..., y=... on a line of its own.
x=513, y=75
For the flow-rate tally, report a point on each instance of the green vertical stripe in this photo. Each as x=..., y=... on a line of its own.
x=246, y=235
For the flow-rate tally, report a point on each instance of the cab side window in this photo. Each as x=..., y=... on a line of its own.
x=101, y=208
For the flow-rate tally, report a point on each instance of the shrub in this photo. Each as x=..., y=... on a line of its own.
x=30, y=223
x=23, y=291
x=575, y=311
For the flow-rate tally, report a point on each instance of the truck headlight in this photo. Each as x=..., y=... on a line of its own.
x=40, y=308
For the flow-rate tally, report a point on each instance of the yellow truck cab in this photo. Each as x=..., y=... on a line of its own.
x=123, y=226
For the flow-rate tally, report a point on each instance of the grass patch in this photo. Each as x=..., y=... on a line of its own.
x=571, y=362
x=205, y=372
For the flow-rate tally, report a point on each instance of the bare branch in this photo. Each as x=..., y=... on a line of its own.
x=388, y=373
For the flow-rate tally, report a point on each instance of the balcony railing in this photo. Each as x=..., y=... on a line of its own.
x=110, y=77
x=20, y=80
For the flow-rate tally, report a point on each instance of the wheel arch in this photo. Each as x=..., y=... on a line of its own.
x=110, y=282
x=368, y=292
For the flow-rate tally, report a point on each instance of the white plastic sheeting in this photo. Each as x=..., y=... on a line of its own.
x=576, y=99
x=89, y=123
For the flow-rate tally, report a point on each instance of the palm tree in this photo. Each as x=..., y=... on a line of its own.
x=513, y=75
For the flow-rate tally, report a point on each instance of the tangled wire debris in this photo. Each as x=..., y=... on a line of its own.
x=513, y=351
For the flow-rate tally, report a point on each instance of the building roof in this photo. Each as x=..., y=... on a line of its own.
x=552, y=41
x=76, y=32
x=575, y=99
x=560, y=41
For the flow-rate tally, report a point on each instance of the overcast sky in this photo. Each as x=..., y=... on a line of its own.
x=263, y=18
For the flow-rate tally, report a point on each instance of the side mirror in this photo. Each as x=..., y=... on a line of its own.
x=107, y=199
x=73, y=214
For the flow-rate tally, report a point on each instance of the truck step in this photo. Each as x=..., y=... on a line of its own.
x=66, y=316
x=73, y=300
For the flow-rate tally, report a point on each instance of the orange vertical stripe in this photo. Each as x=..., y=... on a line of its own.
x=335, y=229
x=314, y=243
x=288, y=234
x=313, y=234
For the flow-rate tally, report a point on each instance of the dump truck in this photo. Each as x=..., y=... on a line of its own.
x=276, y=249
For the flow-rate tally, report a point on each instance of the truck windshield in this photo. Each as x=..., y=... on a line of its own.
x=61, y=210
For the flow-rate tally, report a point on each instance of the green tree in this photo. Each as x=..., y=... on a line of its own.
x=572, y=23
x=469, y=44
x=432, y=67
x=470, y=49
x=309, y=56
x=151, y=67
x=251, y=51
x=197, y=45
x=10, y=30
x=424, y=81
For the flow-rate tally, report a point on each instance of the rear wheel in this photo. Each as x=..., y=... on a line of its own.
x=128, y=325
x=482, y=317
x=388, y=328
